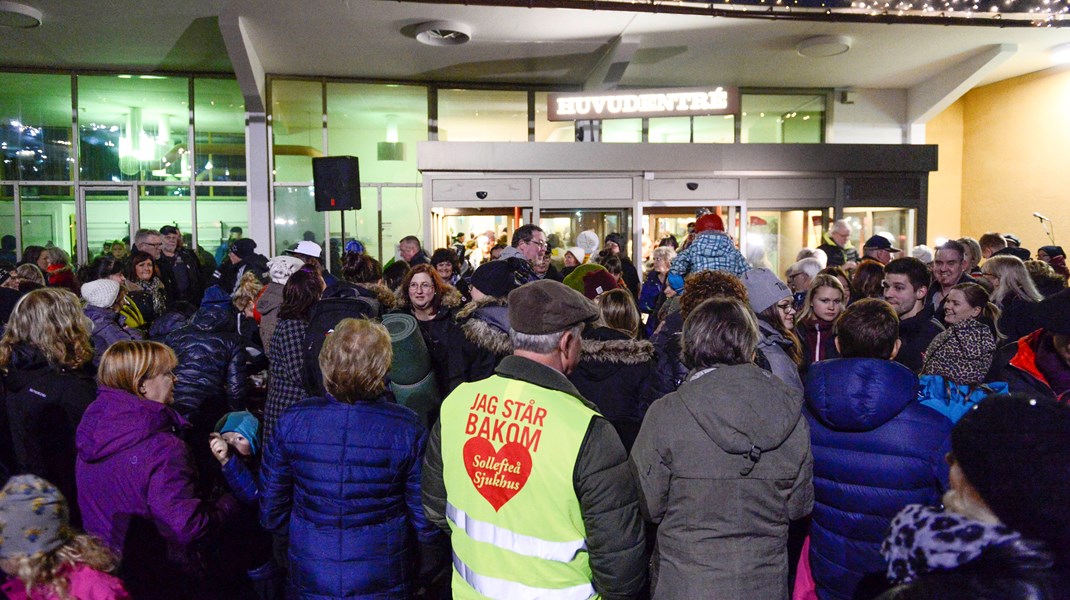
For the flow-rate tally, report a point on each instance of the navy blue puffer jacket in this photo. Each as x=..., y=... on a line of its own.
x=212, y=365
x=876, y=449
x=346, y=477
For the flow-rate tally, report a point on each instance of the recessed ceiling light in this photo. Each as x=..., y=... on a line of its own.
x=19, y=16
x=1061, y=54
x=824, y=46
x=443, y=33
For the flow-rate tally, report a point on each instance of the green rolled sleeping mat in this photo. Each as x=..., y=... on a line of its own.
x=422, y=397
x=412, y=361
x=411, y=377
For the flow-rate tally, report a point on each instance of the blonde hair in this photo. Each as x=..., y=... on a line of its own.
x=57, y=256
x=820, y=281
x=126, y=364
x=42, y=573
x=619, y=312
x=248, y=291
x=354, y=360
x=51, y=320
x=1014, y=279
x=30, y=272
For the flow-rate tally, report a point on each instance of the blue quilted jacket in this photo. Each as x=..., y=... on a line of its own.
x=876, y=449
x=346, y=477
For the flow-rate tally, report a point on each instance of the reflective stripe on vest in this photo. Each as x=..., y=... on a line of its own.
x=500, y=589
x=488, y=533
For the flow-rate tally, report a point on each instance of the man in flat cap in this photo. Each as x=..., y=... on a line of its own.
x=531, y=483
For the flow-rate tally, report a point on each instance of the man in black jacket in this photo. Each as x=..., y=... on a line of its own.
x=906, y=284
x=181, y=267
x=241, y=258
x=1039, y=363
x=587, y=502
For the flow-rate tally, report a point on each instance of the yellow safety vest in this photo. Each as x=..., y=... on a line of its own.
x=509, y=450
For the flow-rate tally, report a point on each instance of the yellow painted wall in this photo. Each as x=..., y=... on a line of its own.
x=945, y=185
x=1016, y=157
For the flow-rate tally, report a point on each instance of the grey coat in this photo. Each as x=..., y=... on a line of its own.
x=723, y=464
x=268, y=305
x=772, y=344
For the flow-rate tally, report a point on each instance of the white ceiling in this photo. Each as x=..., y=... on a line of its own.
x=558, y=47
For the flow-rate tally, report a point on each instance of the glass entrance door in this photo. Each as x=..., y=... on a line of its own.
x=107, y=218
x=564, y=226
x=675, y=223
x=483, y=228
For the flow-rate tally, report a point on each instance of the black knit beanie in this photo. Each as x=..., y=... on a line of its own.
x=1015, y=450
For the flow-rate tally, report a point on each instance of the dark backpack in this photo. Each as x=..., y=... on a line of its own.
x=325, y=315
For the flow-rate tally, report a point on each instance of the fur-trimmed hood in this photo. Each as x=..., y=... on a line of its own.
x=344, y=289
x=608, y=345
x=485, y=323
x=450, y=299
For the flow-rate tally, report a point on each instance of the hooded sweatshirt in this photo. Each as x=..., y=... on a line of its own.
x=723, y=464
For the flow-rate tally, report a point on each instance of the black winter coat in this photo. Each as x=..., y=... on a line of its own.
x=211, y=377
x=915, y=335
x=617, y=374
x=42, y=406
x=482, y=337
x=1023, y=570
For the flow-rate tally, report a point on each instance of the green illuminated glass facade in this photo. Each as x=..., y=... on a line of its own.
x=139, y=151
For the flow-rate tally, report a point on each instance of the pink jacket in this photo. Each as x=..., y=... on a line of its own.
x=85, y=584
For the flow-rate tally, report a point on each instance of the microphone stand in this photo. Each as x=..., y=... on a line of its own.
x=1049, y=229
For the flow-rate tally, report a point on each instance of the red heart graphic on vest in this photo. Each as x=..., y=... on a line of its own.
x=500, y=475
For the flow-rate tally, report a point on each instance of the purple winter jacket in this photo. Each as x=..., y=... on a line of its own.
x=136, y=488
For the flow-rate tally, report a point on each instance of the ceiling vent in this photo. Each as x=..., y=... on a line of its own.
x=443, y=33
x=19, y=16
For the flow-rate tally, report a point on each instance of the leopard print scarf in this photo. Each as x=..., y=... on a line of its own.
x=928, y=538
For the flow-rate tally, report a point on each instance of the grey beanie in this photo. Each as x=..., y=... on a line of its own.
x=33, y=517
x=764, y=288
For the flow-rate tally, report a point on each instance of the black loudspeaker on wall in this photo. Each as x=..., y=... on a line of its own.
x=337, y=180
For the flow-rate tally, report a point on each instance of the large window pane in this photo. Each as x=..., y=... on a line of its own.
x=219, y=211
x=48, y=216
x=9, y=249
x=295, y=214
x=379, y=124
x=165, y=205
x=482, y=116
x=218, y=130
x=402, y=216
x=715, y=129
x=783, y=119
x=107, y=218
x=133, y=127
x=551, y=131
x=296, y=127
x=670, y=130
x=627, y=131
x=35, y=127
x=361, y=225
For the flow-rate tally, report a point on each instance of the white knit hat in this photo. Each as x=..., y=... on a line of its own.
x=281, y=267
x=577, y=252
x=100, y=293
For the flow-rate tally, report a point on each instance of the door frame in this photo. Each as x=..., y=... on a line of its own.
x=80, y=212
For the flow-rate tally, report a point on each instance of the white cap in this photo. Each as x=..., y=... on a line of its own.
x=576, y=252
x=307, y=248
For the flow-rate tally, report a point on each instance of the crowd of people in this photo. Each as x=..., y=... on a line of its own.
x=478, y=422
